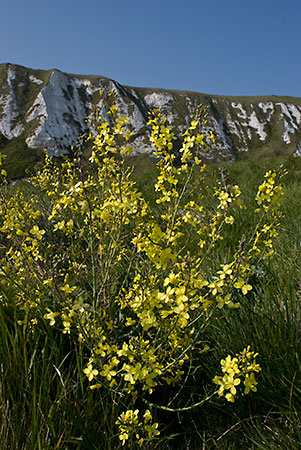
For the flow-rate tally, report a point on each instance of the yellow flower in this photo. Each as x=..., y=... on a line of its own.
x=240, y=284
x=227, y=383
x=129, y=322
x=250, y=383
x=226, y=271
x=90, y=372
x=51, y=316
x=68, y=289
x=152, y=430
x=147, y=416
x=230, y=365
x=37, y=232
x=107, y=372
x=67, y=325
x=229, y=219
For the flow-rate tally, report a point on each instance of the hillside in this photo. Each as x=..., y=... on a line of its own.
x=49, y=110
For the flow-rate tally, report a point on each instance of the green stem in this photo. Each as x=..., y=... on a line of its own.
x=186, y=408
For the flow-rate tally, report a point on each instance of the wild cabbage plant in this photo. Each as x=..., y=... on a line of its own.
x=130, y=280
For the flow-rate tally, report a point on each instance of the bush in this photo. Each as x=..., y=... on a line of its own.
x=130, y=282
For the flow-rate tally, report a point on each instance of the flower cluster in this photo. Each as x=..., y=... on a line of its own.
x=129, y=425
x=270, y=191
x=235, y=370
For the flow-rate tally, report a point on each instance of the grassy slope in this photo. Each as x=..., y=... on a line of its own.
x=273, y=146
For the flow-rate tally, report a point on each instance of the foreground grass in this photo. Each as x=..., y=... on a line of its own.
x=45, y=402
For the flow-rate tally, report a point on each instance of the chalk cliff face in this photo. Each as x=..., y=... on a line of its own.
x=49, y=109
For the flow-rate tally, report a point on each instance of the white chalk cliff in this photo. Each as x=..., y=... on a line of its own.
x=49, y=109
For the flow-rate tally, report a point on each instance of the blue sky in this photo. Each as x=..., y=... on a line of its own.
x=227, y=47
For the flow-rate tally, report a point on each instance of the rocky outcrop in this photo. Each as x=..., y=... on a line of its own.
x=49, y=109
